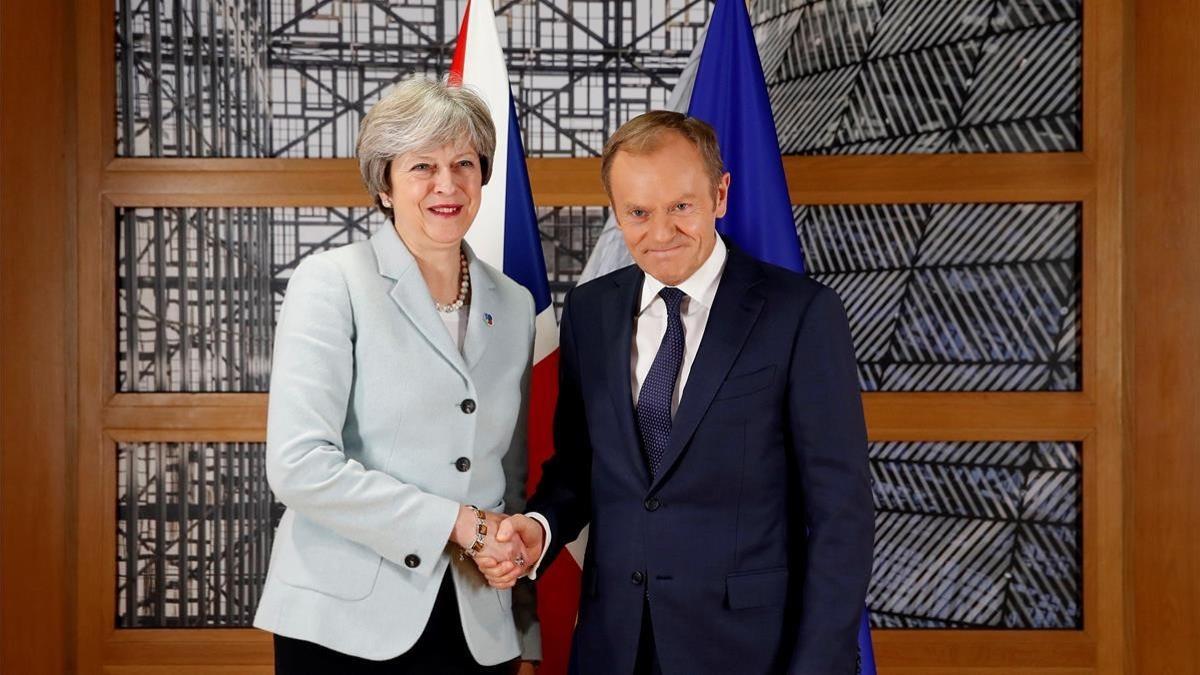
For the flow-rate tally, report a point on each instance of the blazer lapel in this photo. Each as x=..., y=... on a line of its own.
x=618, y=315
x=735, y=309
x=483, y=307
x=411, y=294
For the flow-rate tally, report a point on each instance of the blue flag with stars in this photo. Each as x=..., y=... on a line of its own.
x=730, y=93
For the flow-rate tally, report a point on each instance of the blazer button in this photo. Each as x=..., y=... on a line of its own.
x=637, y=578
x=467, y=406
x=412, y=560
x=463, y=464
x=652, y=504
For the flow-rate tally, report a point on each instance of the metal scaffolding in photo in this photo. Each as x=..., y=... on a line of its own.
x=195, y=523
x=273, y=78
x=940, y=297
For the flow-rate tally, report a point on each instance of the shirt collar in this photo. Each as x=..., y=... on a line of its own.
x=701, y=287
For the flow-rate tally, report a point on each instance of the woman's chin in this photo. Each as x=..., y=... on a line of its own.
x=444, y=234
x=449, y=230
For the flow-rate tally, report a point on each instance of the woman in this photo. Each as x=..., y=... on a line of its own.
x=397, y=405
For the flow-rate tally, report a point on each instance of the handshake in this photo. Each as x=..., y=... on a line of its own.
x=505, y=548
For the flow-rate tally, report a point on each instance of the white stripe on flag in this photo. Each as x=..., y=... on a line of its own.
x=546, y=331
x=484, y=71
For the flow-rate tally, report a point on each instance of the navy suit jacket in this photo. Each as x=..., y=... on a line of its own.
x=752, y=547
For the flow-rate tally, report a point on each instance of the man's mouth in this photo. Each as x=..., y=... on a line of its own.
x=663, y=251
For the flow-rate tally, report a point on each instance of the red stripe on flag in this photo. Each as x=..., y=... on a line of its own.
x=543, y=394
x=558, y=605
x=558, y=586
x=460, y=50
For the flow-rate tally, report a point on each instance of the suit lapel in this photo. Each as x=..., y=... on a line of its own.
x=411, y=295
x=735, y=309
x=618, y=315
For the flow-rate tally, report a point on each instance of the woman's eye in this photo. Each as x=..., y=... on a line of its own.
x=422, y=166
x=466, y=163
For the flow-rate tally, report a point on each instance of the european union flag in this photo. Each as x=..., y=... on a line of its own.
x=730, y=93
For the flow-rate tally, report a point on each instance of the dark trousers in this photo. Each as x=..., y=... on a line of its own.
x=646, y=662
x=441, y=649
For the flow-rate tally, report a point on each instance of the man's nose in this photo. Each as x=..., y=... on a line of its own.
x=661, y=229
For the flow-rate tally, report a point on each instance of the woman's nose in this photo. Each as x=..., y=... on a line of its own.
x=443, y=180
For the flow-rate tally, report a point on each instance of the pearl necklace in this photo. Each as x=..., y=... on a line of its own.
x=464, y=287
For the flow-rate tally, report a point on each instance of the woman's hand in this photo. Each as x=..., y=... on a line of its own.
x=525, y=668
x=511, y=551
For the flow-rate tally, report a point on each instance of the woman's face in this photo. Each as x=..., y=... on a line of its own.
x=435, y=195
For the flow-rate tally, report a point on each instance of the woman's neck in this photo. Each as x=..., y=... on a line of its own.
x=441, y=268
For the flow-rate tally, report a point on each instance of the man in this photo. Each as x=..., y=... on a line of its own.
x=709, y=427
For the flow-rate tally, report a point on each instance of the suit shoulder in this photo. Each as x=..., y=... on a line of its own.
x=592, y=290
x=802, y=287
x=799, y=295
x=346, y=259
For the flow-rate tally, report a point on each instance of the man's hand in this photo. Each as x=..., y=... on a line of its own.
x=512, y=548
x=524, y=531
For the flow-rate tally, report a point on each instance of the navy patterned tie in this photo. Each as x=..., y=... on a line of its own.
x=654, y=400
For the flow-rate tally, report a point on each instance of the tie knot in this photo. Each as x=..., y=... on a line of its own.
x=673, y=297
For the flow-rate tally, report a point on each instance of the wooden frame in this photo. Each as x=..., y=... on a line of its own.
x=37, y=345
x=1163, y=390
x=1095, y=416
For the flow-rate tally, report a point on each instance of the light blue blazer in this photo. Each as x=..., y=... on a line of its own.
x=368, y=422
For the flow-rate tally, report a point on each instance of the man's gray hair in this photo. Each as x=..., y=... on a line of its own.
x=416, y=115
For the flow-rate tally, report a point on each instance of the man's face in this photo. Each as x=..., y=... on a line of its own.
x=667, y=208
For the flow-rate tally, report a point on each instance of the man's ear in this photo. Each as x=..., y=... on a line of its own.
x=721, y=201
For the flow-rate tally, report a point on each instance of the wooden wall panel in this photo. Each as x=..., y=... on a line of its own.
x=1166, y=388
x=837, y=179
x=42, y=372
x=36, y=217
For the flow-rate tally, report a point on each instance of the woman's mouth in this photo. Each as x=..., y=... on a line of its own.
x=446, y=210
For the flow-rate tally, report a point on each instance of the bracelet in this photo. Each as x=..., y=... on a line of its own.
x=480, y=532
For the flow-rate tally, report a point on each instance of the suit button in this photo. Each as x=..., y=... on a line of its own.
x=637, y=578
x=412, y=560
x=468, y=405
x=463, y=464
x=652, y=504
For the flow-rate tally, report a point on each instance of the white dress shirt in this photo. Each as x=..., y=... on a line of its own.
x=650, y=326
x=651, y=323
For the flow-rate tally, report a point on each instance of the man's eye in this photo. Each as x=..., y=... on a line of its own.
x=682, y=206
x=637, y=213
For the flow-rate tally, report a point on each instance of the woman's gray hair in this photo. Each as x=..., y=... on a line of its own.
x=421, y=114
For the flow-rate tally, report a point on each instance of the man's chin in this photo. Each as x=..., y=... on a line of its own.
x=653, y=264
x=666, y=278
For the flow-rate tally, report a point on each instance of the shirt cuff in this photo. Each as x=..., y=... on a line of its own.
x=545, y=542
